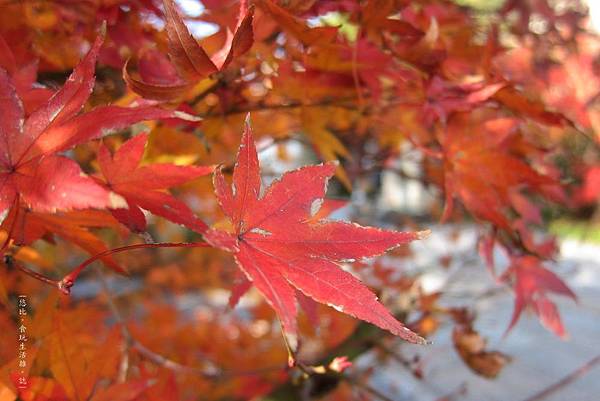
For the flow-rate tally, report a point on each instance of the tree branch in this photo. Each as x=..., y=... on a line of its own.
x=11, y=263
x=565, y=381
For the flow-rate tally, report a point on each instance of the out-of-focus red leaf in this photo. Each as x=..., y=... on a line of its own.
x=238, y=291
x=528, y=211
x=486, y=251
x=23, y=77
x=444, y=98
x=532, y=284
x=516, y=101
x=483, y=172
x=591, y=185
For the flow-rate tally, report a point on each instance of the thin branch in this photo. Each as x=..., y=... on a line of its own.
x=213, y=87
x=124, y=364
x=565, y=381
x=211, y=371
x=67, y=281
x=132, y=343
x=11, y=263
x=341, y=102
x=366, y=387
x=409, y=365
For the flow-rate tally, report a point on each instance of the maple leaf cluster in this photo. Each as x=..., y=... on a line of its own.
x=115, y=116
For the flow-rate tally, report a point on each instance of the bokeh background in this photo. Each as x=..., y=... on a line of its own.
x=305, y=109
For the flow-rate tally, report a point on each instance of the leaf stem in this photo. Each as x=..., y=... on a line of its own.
x=366, y=387
x=10, y=262
x=67, y=281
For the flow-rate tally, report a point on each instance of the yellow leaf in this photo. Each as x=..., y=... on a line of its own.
x=40, y=14
x=329, y=147
x=6, y=393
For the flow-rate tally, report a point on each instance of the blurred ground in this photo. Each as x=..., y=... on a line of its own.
x=539, y=358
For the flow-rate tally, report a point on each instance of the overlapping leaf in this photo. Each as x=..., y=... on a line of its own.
x=188, y=58
x=295, y=26
x=30, y=170
x=23, y=78
x=143, y=186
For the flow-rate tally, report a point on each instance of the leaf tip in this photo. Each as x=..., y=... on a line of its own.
x=247, y=135
x=413, y=337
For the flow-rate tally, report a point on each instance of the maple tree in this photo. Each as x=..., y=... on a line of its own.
x=115, y=117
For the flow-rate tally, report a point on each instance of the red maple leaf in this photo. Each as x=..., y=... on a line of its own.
x=278, y=246
x=532, y=283
x=30, y=170
x=143, y=186
x=444, y=98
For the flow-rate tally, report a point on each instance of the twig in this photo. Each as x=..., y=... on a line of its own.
x=213, y=87
x=398, y=358
x=290, y=105
x=565, y=381
x=124, y=363
x=11, y=263
x=366, y=387
x=211, y=371
x=67, y=281
x=132, y=343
